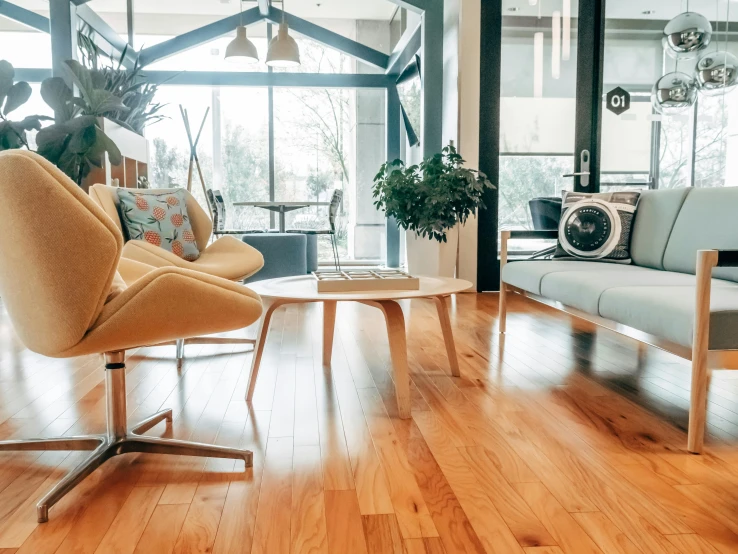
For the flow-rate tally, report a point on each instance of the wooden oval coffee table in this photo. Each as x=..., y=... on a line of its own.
x=295, y=290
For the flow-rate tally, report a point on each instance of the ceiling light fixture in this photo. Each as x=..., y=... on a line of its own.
x=556, y=45
x=241, y=49
x=538, y=65
x=283, y=50
x=566, y=44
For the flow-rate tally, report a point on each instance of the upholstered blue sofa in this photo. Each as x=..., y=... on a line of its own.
x=680, y=293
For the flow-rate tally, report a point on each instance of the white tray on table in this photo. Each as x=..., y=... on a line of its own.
x=365, y=280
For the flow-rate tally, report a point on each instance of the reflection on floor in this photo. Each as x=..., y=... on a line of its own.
x=554, y=441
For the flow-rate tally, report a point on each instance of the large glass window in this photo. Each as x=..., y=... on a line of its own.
x=26, y=48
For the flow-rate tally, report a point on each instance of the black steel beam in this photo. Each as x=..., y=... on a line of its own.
x=24, y=16
x=490, y=63
x=331, y=39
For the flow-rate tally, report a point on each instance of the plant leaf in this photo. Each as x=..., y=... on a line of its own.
x=109, y=146
x=18, y=95
x=82, y=140
x=51, y=142
x=7, y=74
x=58, y=97
x=103, y=101
x=82, y=77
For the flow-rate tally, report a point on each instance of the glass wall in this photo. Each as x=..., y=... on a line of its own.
x=537, y=112
x=690, y=148
x=324, y=139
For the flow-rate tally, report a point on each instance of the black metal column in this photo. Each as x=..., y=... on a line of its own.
x=590, y=53
x=488, y=264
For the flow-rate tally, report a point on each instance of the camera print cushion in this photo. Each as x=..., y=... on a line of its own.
x=597, y=226
x=159, y=219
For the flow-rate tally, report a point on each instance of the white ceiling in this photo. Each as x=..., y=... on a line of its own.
x=629, y=9
x=309, y=9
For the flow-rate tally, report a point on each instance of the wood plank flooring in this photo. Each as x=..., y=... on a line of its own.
x=557, y=439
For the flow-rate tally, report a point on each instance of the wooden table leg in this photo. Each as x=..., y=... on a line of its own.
x=448, y=335
x=398, y=350
x=269, y=307
x=329, y=323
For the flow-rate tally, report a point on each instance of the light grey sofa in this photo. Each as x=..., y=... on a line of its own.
x=680, y=294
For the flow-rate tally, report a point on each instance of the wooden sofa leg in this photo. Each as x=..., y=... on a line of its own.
x=502, y=320
x=706, y=260
x=503, y=308
x=698, y=406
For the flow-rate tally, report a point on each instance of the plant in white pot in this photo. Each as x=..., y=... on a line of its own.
x=429, y=201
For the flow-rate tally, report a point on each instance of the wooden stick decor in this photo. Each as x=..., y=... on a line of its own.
x=194, y=159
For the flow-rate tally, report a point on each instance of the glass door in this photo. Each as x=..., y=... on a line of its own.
x=540, y=106
x=538, y=112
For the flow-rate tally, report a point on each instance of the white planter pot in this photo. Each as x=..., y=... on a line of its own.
x=429, y=257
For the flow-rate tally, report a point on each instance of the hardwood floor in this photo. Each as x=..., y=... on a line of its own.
x=556, y=439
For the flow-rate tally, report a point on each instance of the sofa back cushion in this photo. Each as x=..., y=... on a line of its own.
x=657, y=213
x=708, y=219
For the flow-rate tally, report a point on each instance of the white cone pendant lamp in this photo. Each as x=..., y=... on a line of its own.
x=241, y=49
x=283, y=50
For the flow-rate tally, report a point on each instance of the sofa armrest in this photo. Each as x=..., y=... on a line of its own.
x=727, y=258
x=554, y=234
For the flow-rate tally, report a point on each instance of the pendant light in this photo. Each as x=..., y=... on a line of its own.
x=556, y=45
x=566, y=44
x=538, y=65
x=283, y=50
x=241, y=49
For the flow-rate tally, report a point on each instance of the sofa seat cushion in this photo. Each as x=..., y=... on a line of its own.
x=528, y=274
x=668, y=312
x=583, y=289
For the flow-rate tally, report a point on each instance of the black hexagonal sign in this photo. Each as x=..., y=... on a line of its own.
x=618, y=100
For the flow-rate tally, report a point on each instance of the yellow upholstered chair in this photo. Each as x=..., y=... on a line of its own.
x=59, y=255
x=227, y=257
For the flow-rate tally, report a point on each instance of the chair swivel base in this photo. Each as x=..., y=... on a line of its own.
x=180, y=343
x=118, y=440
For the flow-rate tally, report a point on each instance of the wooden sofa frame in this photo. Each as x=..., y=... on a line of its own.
x=703, y=359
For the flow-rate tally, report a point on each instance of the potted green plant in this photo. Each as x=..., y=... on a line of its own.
x=429, y=201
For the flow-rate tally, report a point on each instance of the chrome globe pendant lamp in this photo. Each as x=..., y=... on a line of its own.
x=716, y=72
x=283, y=50
x=684, y=36
x=241, y=50
x=687, y=34
x=674, y=93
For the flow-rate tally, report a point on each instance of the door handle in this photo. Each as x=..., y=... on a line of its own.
x=584, y=169
x=576, y=174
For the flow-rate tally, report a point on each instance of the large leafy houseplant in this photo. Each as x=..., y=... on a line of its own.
x=76, y=141
x=13, y=134
x=130, y=85
x=432, y=197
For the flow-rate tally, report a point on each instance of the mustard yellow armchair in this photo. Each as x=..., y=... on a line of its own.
x=226, y=257
x=59, y=255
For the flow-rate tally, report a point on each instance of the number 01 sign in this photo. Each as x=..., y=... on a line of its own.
x=618, y=100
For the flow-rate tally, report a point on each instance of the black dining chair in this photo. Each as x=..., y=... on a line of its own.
x=218, y=211
x=336, y=200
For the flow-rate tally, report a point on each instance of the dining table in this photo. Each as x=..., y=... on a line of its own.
x=281, y=208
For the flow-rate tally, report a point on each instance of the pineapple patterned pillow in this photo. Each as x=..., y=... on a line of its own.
x=159, y=219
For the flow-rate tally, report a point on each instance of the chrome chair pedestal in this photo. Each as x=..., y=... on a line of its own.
x=180, y=343
x=118, y=440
